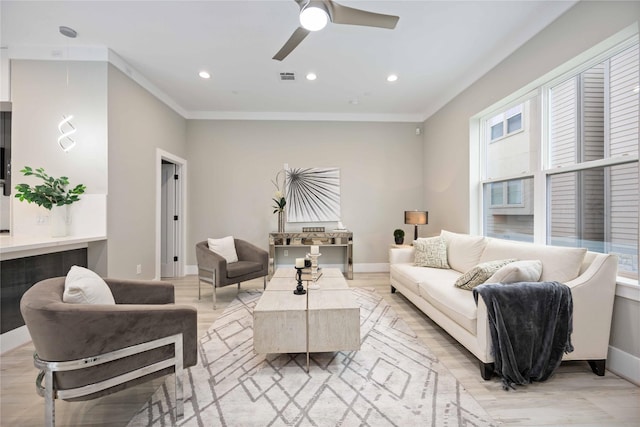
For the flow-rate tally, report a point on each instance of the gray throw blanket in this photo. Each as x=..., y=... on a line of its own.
x=531, y=325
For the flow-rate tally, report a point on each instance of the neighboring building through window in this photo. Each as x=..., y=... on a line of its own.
x=506, y=123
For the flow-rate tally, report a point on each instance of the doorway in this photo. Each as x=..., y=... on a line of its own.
x=170, y=215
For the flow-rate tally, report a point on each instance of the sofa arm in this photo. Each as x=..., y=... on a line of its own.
x=401, y=255
x=141, y=291
x=73, y=331
x=249, y=252
x=593, y=294
x=209, y=262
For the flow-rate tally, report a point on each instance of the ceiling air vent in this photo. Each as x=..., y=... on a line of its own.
x=287, y=77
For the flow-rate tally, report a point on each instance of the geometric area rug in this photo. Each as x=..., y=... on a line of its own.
x=393, y=380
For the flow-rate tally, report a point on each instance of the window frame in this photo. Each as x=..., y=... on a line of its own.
x=541, y=170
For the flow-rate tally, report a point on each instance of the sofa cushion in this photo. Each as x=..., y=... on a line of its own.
x=408, y=275
x=240, y=268
x=455, y=303
x=431, y=252
x=225, y=247
x=519, y=271
x=463, y=250
x=558, y=263
x=480, y=273
x=83, y=286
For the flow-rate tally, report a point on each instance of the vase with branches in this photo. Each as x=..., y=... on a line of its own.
x=279, y=199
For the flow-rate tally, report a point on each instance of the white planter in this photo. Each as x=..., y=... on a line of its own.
x=59, y=221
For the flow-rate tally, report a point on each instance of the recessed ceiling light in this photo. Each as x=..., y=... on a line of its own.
x=68, y=32
x=311, y=76
x=204, y=74
x=392, y=78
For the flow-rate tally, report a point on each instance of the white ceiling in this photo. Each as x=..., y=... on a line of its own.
x=437, y=49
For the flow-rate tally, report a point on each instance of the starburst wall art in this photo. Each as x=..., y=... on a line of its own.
x=313, y=194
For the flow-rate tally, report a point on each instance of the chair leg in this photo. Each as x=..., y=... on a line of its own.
x=264, y=283
x=214, y=297
x=179, y=390
x=238, y=286
x=49, y=401
x=199, y=292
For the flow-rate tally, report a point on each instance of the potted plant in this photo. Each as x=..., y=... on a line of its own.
x=51, y=194
x=398, y=235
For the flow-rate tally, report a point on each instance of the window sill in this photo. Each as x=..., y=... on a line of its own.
x=628, y=288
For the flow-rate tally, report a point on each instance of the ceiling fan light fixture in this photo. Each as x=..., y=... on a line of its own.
x=313, y=18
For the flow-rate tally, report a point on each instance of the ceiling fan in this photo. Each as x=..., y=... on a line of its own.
x=314, y=15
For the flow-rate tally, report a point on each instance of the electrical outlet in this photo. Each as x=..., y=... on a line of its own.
x=286, y=252
x=139, y=269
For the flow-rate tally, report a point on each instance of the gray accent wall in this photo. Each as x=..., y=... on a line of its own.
x=138, y=125
x=232, y=163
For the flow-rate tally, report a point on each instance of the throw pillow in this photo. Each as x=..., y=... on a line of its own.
x=431, y=252
x=519, y=271
x=224, y=247
x=463, y=250
x=480, y=273
x=83, y=286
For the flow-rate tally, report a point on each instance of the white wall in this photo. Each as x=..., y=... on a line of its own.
x=232, y=163
x=40, y=96
x=446, y=157
x=139, y=124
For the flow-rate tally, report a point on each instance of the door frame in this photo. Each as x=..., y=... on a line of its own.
x=181, y=169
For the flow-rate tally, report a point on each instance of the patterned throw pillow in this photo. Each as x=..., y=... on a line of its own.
x=431, y=252
x=480, y=273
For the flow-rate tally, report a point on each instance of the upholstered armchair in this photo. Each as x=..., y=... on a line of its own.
x=214, y=269
x=86, y=351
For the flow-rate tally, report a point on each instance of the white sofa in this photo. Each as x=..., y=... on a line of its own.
x=591, y=277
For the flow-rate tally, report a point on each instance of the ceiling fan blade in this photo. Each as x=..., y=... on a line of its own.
x=348, y=15
x=298, y=35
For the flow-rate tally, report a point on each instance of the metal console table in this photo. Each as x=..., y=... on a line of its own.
x=342, y=239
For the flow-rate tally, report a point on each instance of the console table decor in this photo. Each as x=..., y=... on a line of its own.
x=341, y=239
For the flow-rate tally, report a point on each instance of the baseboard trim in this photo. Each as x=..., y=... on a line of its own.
x=624, y=364
x=14, y=339
x=382, y=267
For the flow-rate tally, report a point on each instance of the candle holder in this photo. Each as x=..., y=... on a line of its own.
x=314, y=271
x=299, y=289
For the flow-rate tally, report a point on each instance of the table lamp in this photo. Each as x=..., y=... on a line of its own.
x=416, y=218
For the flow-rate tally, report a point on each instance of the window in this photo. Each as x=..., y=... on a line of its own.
x=506, y=194
x=589, y=177
x=597, y=208
x=511, y=120
x=508, y=210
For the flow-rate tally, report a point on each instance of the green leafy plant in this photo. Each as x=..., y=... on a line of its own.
x=279, y=198
x=52, y=192
x=398, y=233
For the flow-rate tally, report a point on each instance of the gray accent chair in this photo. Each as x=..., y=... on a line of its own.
x=86, y=351
x=253, y=263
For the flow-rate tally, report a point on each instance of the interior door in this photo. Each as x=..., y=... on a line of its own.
x=169, y=220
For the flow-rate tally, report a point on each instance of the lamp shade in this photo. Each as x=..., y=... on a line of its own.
x=416, y=217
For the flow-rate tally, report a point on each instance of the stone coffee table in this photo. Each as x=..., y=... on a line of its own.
x=322, y=320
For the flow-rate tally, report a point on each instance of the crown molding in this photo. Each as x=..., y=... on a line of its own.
x=81, y=53
x=313, y=116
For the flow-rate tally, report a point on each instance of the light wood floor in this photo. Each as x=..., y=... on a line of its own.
x=573, y=396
